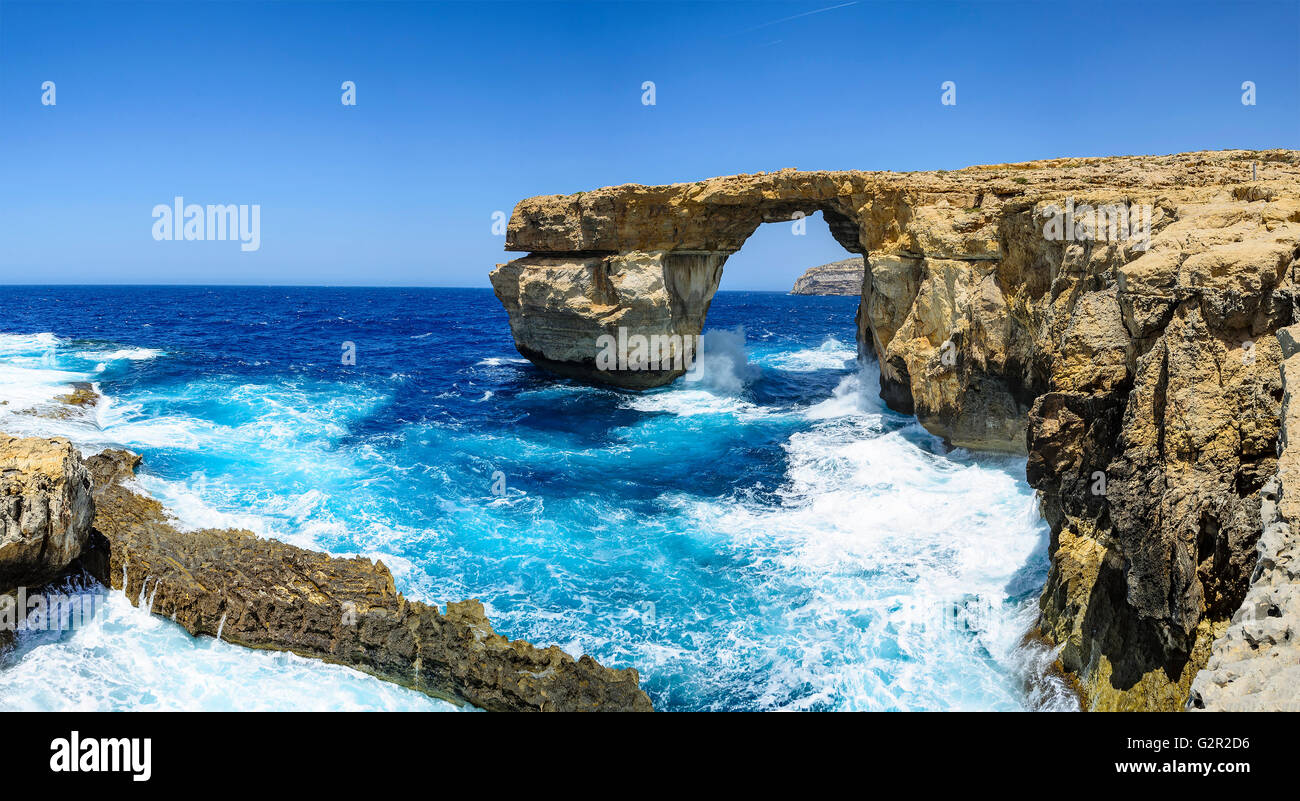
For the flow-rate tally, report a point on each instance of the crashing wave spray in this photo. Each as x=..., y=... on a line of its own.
x=723, y=366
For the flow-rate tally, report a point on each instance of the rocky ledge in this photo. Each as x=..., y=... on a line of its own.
x=265, y=594
x=1114, y=319
x=842, y=277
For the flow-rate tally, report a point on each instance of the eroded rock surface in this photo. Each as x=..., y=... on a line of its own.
x=1254, y=666
x=1136, y=364
x=842, y=277
x=266, y=594
x=45, y=510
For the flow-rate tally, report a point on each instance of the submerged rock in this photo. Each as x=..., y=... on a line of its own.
x=82, y=394
x=263, y=593
x=70, y=406
x=1112, y=318
x=842, y=277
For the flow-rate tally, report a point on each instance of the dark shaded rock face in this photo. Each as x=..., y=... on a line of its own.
x=842, y=277
x=1154, y=443
x=265, y=594
x=1254, y=665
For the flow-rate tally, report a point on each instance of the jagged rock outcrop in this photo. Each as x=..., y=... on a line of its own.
x=1254, y=666
x=843, y=277
x=45, y=510
x=59, y=513
x=1131, y=355
x=266, y=594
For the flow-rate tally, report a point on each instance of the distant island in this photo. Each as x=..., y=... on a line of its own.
x=842, y=277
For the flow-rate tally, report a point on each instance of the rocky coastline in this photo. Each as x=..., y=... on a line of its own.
x=843, y=277
x=1114, y=319
x=1147, y=379
x=63, y=514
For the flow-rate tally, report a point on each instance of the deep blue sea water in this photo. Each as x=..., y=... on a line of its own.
x=764, y=536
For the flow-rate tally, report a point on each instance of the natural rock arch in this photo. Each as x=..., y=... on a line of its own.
x=1149, y=361
x=648, y=260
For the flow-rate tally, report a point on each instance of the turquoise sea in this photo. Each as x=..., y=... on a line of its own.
x=764, y=535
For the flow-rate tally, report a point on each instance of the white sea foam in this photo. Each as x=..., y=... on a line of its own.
x=31, y=379
x=129, y=354
x=831, y=355
x=18, y=343
x=30, y=375
x=689, y=402
x=895, y=562
x=127, y=659
x=23, y=387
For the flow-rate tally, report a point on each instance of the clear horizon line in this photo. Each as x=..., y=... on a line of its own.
x=325, y=286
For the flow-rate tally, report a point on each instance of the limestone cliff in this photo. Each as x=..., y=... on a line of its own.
x=1113, y=318
x=843, y=277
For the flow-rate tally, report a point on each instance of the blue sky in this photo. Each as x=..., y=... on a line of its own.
x=465, y=108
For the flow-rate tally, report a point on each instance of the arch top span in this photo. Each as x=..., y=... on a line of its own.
x=865, y=211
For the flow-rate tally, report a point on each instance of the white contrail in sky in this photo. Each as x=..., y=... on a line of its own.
x=797, y=16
